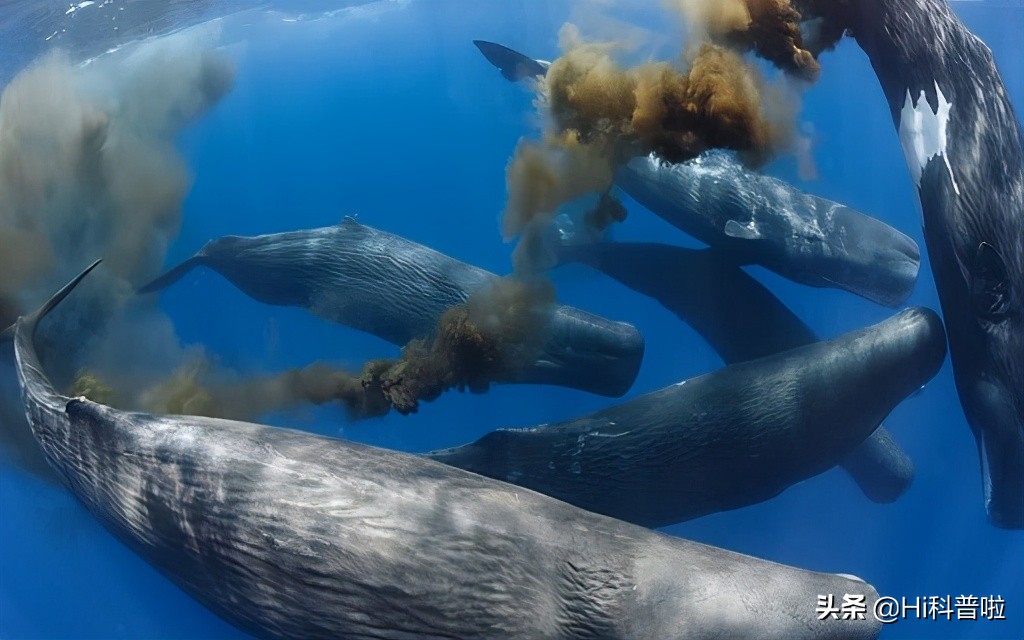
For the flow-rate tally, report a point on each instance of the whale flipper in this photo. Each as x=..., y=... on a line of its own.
x=172, y=276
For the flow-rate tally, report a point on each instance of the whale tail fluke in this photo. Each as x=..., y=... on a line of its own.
x=172, y=276
x=513, y=65
x=31, y=321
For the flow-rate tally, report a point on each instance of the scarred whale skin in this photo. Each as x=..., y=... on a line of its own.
x=965, y=150
x=723, y=440
x=741, y=320
x=292, y=535
x=762, y=220
x=397, y=290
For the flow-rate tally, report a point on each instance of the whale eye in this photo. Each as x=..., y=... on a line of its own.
x=990, y=287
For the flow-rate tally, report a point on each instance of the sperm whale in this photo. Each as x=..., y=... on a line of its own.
x=292, y=535
x=761, y=220
x=724, y=440
x=965, y=151
x=741, y=320
x=397, y=290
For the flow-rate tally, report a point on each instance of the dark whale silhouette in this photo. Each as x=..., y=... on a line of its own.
x=965, y=150
x=513, y=65
x=292, y=535
x=397, y=290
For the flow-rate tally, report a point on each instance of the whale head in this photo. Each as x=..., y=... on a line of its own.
x=869, y=258
x=992, y=391
x=269, y=268
x=977, y=255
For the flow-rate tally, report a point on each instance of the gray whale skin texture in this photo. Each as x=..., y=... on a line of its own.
x=723, y=440
x=291, y=535
x=762, y=220
x=397, y=290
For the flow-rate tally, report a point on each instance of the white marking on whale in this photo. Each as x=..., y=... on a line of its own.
x=923, y=133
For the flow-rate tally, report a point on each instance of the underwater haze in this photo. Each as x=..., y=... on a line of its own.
x=385, y=111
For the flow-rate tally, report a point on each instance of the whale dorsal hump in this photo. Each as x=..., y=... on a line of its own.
x=990, y=287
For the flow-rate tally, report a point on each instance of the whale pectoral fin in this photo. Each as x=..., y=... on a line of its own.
x=990, y=289
x=734, y=229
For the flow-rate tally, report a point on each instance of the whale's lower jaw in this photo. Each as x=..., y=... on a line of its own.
x=586, y=352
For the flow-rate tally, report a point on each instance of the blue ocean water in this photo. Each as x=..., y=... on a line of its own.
x=390, y=114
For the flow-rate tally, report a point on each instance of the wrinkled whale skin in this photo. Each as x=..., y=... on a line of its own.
x=292, y=535
x=741, y=320
x=396, y=289
x=724, y=440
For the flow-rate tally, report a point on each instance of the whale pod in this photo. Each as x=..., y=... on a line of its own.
x=287, y=534
x=741, y=320
x=724, y=440
x=397, y=290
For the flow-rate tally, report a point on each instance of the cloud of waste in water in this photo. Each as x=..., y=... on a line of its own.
x=88, y=169
x=501, y=328
x=598, y=113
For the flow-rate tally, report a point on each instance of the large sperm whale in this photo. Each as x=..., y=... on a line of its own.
x=758, y=219
x=741, y=320
x=397, y=290
x=965, y=150
x=763, y=220
x=292, y=535
x=724, y=440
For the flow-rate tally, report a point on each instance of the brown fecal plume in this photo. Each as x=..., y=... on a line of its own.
x=498, y=330
x=600, y=114
x=769, y=28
